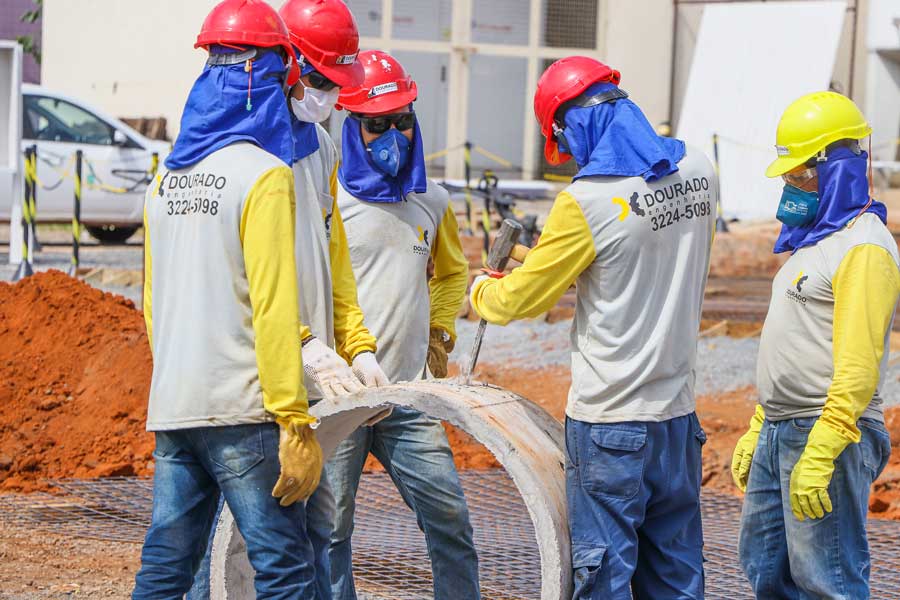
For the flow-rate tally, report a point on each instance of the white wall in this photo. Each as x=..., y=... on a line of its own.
x=882, y=106
x=130, y=58
x=638, y=42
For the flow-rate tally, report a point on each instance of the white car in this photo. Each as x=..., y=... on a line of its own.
x=117, y=160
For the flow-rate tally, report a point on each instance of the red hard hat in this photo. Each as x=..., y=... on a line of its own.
x=248, y=23
x=386, y=87
x=564, y=80
x=325, y=33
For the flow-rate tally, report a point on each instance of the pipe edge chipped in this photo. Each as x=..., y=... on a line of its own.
x=526, y=440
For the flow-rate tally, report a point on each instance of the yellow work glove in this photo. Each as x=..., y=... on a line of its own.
x=301, y=463
x=439, y=345
x=742, y=458
x=812, y=473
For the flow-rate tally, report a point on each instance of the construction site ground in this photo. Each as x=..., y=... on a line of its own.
x=74, y=371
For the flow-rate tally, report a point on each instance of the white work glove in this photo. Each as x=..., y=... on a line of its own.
x=366, y=368
x=475, y=283
x=328, y=370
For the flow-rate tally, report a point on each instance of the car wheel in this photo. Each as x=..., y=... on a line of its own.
x=111, y=234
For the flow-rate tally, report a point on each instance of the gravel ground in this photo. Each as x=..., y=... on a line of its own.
x=57, y=254
x=723, y=363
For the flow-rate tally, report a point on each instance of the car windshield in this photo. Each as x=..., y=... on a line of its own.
x=56, y=120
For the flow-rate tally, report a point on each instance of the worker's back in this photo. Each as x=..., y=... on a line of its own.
x=205, y=363
x=639, y=302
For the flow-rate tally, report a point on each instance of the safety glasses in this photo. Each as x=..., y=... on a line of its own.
x=799, y=178
x=320, y=82
x=381, y=123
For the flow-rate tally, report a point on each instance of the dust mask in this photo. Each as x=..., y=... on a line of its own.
x=316, y=104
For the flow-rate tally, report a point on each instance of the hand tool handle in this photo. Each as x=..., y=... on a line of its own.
x=497, y=258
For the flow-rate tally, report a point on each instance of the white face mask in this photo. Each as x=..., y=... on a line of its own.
x=316, y=104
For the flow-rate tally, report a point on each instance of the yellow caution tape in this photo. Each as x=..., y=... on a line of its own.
x=555, y=177
x=490, y=155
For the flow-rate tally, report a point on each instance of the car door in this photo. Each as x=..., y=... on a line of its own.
x=112, y=167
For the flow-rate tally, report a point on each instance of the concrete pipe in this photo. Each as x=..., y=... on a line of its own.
x=524, y=438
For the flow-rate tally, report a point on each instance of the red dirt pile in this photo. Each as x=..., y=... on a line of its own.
x=74, y=374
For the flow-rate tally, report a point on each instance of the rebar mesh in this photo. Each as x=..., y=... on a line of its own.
x=389, y=551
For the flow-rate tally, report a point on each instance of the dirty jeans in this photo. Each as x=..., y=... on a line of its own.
x=416, y=454
x=319, y=520
x=785, y=558
x=634, y=509
x=193, y=466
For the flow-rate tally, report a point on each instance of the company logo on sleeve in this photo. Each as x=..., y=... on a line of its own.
x=797, y=284
x=326, y=218
x=423, y=247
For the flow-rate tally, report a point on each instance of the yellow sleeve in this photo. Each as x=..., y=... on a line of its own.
x=350, y=333
x=451, y=275
x=866, y=286
x=147, y=304
x=267, y=238
x=565, y=249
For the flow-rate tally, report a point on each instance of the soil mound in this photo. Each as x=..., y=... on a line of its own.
x=75, y=370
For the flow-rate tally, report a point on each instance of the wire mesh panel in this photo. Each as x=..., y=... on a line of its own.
x=570, y=24
x=389, y=552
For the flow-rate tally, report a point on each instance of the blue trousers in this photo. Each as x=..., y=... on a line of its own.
x=319, y=519
x=416, y=454
x=785, y=558
x=195, y=466
x=634, y=509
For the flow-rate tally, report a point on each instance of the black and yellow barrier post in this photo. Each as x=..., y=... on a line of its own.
x=25, y=270
x=721, y=225
x=32, y=201
x=467, y=155
x=76, y=217
x=489, y=181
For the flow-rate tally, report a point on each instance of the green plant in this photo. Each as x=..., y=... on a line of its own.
x=27, y=41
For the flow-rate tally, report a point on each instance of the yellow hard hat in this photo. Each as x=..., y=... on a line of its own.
x=810, y=124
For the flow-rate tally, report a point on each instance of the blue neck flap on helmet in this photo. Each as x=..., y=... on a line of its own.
x=614, y=139
x=843, y=195
x=306, y=140
x=216, y=114
x=363, y=180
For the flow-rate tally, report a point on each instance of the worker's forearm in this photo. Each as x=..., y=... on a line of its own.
x=565, y=249
x=267, y=237
x=866, y=286
x=451, y=275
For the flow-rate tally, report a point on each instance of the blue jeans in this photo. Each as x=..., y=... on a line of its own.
x=193, y=466
x=634, y=508
x=816, y=558
x=416, y=454
x=319, y=519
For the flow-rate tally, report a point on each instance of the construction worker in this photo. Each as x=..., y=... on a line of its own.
x=227, y=400
x=396, y=219
x=633, y=232
x=325, y=42
x=817, y=440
